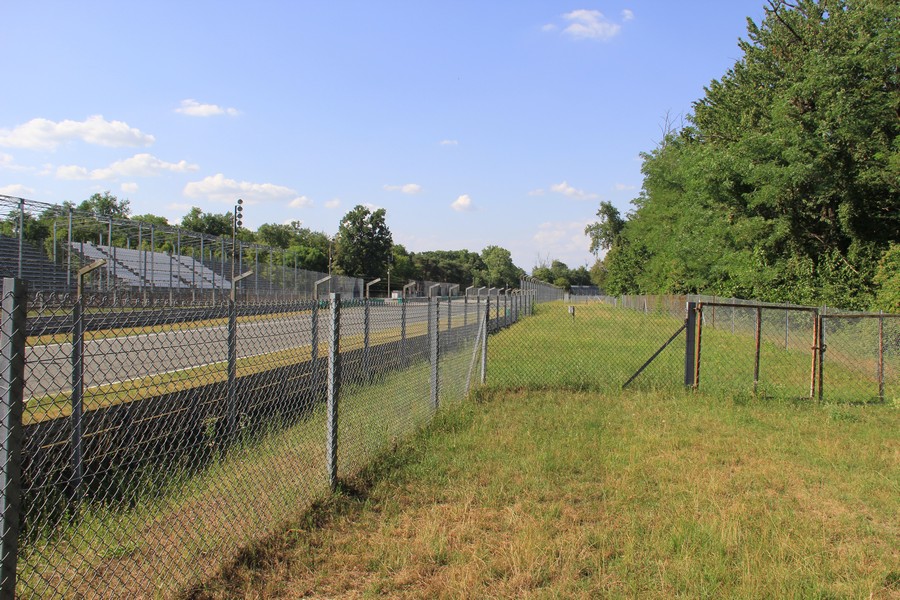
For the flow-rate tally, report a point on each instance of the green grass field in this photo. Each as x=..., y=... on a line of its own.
x=552, y=483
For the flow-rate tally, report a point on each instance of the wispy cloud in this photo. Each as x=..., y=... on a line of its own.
x=129, y=188
x=333, y=203
x=219, y=188
x=300, y=202
x=567, y=190
x=192, y=108
x=449, y=143
x=139, y=165
x=406, y=188
x=624, y=187
x=564, y=240
x=585, y=24
x=463, y=204
x=16, y=189
x=44, y=134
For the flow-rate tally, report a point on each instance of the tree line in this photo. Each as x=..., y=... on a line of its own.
x=784, y=182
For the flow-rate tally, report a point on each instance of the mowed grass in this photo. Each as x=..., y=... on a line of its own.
x=544, y=489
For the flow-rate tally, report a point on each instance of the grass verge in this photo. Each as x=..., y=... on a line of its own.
x=561, y=494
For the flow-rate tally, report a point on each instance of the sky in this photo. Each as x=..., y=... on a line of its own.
x=472, y=123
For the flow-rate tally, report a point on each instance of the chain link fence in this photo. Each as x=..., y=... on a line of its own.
x=725, y=346
x=148, y=450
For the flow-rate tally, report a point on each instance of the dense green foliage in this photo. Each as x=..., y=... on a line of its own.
x=363, y=243
x=559, y=274
x=785, y=186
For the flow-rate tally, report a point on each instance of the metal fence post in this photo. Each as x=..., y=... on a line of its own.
x=76, y=400
x=314, y=343
x=757, y=341
x=881, y=357
x=334, y=387
x=12, y=388
x=403, y=359
x=366, y=325
x=434, y=311
x=484, y=343
x=231, y=401
x=690, y=344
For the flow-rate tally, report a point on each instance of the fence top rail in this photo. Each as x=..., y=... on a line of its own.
x=809, y=309
x=861, y=316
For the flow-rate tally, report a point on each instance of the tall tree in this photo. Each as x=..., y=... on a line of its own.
x=786, y=185
x=604, y=232
x=208, y=223
x=499, y=270
x=106, y=205
x=363, y=243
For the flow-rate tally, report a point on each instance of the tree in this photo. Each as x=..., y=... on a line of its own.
x=604, y=233
x=363, y=243
x=151, y=219
x=499, y=270
x=207, y=223
x=785, y=185
x=106, y=205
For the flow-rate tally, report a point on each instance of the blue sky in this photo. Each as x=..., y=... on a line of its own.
x=472, y=123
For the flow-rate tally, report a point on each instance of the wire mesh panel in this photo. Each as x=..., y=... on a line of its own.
x=591, y=345
x=460, y=347
x=385, y=378
x=861, y=357
x=148, y=443
x=757, y=350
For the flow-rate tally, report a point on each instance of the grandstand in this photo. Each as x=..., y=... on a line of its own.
x=37, y=269
x=145, y=269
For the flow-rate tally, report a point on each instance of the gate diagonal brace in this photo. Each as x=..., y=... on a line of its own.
x=655, y=354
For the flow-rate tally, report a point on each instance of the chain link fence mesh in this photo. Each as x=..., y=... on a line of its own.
x=154, y=448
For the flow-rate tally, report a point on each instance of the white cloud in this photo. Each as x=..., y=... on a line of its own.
x=300, y=202
x=8, y=162
x=463, y=204
x=589, y=24
x=564, y=240
x=129, y=188
x=139, y=165
x=333, y=203
x=179, y=206
x=406, y=188
x=449, y=143
x=43, y=134
x=192, y=108
x=537, y=192
x=16, y=189
x=624, y=187
x=567, y=190
x=220, y=189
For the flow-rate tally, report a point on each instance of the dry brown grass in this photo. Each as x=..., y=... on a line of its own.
x=549, y=494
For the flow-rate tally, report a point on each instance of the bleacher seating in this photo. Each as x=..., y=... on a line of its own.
x=37, y=269
x=142, y=268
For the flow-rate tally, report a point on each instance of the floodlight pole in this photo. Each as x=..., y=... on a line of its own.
x=236, y=223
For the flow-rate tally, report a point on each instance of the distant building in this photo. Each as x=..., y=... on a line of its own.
x=585, y=290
